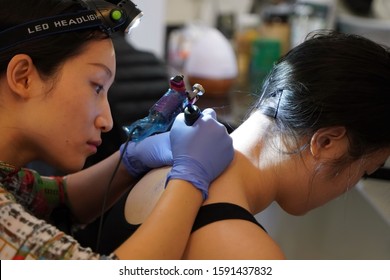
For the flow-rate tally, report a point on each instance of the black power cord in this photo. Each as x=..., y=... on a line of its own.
x=104, y=205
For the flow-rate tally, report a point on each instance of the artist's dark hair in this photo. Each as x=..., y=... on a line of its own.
x=50, y=52
x=332, y=79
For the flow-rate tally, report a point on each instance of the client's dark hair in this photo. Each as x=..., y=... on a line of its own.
x=332, y=79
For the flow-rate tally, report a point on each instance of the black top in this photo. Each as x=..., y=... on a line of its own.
x=222, y=211
x=116, y=229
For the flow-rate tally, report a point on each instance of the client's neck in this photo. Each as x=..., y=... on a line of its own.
x=248, y=181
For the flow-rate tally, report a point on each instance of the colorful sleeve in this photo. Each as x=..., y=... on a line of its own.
x=23, y=236
x=40, y=194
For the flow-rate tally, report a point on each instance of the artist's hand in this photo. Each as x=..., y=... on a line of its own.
x=152, y=152
x=201, y=151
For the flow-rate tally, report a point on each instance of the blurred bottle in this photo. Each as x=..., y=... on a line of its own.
x=265, y=52
x=311, y=15
x=247, y=32
x=275, y=24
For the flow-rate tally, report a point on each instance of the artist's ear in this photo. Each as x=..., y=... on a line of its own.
x=21, y=72
x=329, y=142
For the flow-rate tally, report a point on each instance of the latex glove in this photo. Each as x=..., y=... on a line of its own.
x=152, y=152
x=201, y=151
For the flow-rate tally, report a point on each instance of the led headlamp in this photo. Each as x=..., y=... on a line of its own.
x=109, y=17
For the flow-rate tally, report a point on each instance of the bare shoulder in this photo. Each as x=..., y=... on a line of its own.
x=144, y=195
x=232, y=239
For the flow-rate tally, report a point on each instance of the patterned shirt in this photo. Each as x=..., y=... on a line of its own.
x=26, y=202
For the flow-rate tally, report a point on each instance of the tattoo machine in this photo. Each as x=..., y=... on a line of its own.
x=162, y=114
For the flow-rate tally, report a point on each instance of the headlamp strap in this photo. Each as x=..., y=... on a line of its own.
x=48, y=26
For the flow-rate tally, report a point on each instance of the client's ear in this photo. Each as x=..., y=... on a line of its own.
x=329, y=142
x=20, y=73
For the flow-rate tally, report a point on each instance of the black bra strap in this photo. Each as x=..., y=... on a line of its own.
x=222, y=211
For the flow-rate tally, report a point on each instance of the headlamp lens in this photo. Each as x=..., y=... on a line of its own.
x=134, y=23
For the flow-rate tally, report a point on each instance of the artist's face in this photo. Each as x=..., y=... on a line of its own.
x=76, y=109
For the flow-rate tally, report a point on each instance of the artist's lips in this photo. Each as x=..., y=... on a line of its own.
x=94, y=145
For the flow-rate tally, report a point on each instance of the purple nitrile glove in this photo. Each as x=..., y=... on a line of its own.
x=201, y=152
x=152, y=152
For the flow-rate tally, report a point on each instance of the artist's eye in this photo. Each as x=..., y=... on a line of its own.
x=98, y=88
